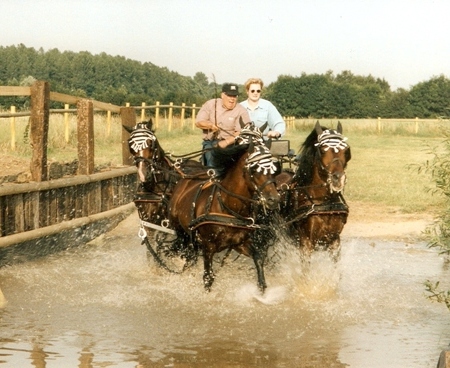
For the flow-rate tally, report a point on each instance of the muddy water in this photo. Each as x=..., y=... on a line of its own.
x=105, y=305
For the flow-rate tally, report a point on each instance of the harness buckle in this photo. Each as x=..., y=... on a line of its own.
x=211, y=173
x=142, y=234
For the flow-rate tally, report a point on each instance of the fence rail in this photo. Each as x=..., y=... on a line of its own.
x=47, y=207
x=31, y=206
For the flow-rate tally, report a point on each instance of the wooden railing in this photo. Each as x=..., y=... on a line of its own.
x=41, y=96
x=161, y=113
x=43, y=208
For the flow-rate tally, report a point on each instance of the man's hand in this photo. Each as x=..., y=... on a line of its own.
x=207, y=125
x=226, y=142
x=274, y=134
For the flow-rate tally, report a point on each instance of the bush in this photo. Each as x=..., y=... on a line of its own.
x=438, y=234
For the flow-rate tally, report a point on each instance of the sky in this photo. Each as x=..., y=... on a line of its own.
x=401, y=41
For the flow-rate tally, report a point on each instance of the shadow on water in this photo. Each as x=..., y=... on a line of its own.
x=104, y=304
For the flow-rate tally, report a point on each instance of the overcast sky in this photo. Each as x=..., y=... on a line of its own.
x=402, y=41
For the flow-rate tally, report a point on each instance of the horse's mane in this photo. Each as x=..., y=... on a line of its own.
x=307, y=152
x=225, y=158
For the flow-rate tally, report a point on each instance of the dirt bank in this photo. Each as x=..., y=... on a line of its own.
x=374, y=221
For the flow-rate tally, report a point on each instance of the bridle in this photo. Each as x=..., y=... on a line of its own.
x=260, y=160
x=330, y=140
x=324, y=170
x=141, y=139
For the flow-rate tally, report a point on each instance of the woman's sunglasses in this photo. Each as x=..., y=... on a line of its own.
x=255, y=90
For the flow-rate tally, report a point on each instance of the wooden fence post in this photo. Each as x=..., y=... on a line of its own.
x=108, y=123
x=292, y=122
x=193, y=116
x=13, y=129
x=66, y=123
x=128, y=116
x=183, y=108
x=39, y=122
x=85, y=129
x=170, y=116
x=143, y=112
x=157, y=115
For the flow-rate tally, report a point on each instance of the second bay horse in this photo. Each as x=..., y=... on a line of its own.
x=312, y=201
x=158, y=173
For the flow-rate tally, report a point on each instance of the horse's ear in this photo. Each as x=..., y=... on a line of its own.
x=263, y=127
x=251, y=146
x=318, y=128
x=241, y=122
x=150, y=125
x=127, y=128
x=339, y=127
x=348, y=155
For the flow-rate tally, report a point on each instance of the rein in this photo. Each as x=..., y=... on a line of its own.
x=190, y=155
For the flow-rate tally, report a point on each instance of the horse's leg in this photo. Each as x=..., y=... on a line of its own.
x=190, y=252
x=258, y=258
x=335, y=249
x=306, y=246
x=259, y=244
x=208, y=273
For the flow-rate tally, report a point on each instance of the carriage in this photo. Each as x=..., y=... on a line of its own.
x=193, y=212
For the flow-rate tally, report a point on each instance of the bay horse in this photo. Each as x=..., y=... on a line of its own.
x=312, y=201
x=158, y=173
x=232, y=213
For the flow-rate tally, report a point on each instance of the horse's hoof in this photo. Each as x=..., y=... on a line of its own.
x=208, y=283
x=262, y=288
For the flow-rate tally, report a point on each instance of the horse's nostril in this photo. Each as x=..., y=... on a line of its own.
x=273, y=202
x=336, y=176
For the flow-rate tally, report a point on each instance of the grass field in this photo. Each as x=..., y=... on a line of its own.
x=379, y=172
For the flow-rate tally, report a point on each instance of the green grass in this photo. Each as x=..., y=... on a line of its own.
x=378, y=173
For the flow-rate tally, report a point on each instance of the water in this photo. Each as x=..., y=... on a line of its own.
x=106, y=305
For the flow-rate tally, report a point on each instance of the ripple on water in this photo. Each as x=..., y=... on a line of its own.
x=113, y=299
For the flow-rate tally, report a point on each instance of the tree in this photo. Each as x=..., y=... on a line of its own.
x=201, y=79
x=430, y=99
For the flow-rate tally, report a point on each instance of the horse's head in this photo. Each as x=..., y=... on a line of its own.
x=144, y=147
x=259, y=174
x=333, y=153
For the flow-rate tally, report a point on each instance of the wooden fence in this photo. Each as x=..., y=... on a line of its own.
x=161, y=112
x=44, y=208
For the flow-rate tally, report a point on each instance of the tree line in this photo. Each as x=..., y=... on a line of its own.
x=118, y=80
x=351, y=96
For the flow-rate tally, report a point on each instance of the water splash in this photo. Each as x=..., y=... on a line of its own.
x=272, y=295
